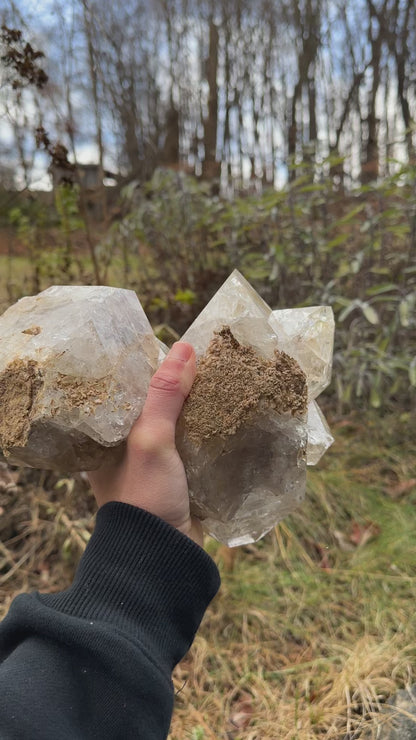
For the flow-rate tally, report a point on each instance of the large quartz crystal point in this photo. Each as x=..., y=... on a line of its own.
x=307, y=334
x=319, y=434
x=243, y=431
x=75, y=365
x=237, y=305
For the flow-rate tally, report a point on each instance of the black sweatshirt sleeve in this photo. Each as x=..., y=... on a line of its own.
x=95, y=661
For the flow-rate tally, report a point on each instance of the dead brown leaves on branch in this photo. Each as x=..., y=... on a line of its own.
x=58, y=154
x=22, y=58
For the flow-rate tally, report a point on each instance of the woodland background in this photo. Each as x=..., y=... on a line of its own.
x=158, y=145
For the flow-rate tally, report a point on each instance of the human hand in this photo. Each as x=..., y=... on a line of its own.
x=151, y=474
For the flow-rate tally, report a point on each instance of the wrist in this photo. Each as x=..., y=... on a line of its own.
x=135, y=566
x=192, y=528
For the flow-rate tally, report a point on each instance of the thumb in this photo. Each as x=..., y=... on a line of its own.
x=168, y=389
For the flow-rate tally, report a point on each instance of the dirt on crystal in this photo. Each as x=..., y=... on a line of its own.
x=232, y=381
x=33, y=330
x=20, y=382
x=78, y=392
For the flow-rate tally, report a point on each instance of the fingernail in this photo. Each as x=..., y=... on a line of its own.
x=181, y=351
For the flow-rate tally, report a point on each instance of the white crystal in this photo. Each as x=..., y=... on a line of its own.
x=307, y=334
x=79, y=340
x=236, y=304
x=319, y=434
x=243, y=484
x=253, y=482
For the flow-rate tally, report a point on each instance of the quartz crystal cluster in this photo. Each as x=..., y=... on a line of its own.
x=307, y=334
x=75, y=364
x=246, y=477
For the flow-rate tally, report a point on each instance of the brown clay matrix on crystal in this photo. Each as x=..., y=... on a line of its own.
x=75, y=365
x=231, y=382
x=242, y=437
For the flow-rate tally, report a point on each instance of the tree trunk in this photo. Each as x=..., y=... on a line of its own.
x=313, y=127
x=370, y=164
x=399, y=39
x=170, y=152
x=307, y=27
x=210, y=167
x=92, y=68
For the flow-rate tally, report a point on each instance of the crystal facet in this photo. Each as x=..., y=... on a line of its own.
x=75, y=365
x=319, y=435
x=307, y=334
x=236, y=304
x=253, y=482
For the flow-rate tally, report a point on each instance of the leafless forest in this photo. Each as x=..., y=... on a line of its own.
x=230, y=89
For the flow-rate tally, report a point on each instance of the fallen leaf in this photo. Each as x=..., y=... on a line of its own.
x=403, y=486
x=324, y=562
x=8, y=478
x=361, y=533
x=343, y=542
x=319, y=553
x=242, y=712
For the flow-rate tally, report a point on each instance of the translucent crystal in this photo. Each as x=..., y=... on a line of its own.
x=307, y=334
x=319, y=435
x=242, y=484
x=75, y=365
x=237, y=305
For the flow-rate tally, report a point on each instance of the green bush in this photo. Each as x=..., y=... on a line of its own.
x=306, y=244
x=303, y=245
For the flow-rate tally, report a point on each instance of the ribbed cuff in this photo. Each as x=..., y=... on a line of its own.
x=145, y=578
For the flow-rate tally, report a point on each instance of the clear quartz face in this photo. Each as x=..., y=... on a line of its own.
x=83, y=358
x=243, y=485
x=307, y=334
x=319, y=435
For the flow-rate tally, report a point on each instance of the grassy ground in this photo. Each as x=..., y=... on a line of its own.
x=314, y=626
x=17, y=274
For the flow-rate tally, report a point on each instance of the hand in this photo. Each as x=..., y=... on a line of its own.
x=151, y=473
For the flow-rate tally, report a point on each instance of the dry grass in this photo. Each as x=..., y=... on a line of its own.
x=313, y=632
x=314, y=626
x=16, y=274
x=46, y=521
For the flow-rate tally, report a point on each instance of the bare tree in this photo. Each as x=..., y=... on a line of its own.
x=21, y=83
x=209, y=166
x=401, y=37
x=231, y=86
x=305, y=18
x=91, y=36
